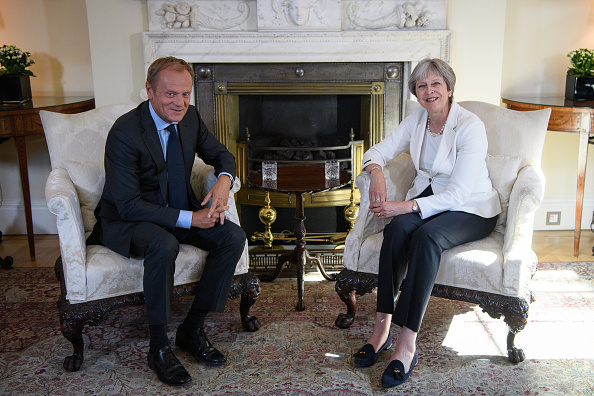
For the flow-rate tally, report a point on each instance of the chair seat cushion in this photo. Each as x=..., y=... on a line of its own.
x=110, y=274
x=476, y=265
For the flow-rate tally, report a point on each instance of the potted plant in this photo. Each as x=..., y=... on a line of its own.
x=579, y=83
x=15, y=85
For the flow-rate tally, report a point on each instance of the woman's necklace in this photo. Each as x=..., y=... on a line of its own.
x=429, y=129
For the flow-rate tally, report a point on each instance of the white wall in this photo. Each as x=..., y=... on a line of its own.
x=56, y=34
x=499, y=48
x=115, y=30
x=478, y=28
x=538, y=36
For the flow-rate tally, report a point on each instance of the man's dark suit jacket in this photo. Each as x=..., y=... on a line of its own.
x=136, y=175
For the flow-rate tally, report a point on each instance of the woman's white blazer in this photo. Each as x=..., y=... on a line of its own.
x=458, y=177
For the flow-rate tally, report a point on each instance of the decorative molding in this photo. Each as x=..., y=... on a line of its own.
x=296, y=15
x=251, y=47
x=394, y=15
x=302, y=15
x=202, y=15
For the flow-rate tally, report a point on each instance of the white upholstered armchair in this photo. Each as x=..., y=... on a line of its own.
x=94, y=279
x=493, y=272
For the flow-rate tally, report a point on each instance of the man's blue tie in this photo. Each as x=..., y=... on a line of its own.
x=178, y=195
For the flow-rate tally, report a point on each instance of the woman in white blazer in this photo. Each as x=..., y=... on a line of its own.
x=451, y=202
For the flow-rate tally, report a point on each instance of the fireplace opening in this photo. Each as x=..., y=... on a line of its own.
x=298, y=128
x=295, y=130
x=322, y=120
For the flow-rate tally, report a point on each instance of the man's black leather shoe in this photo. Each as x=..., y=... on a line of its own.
x=168, y=368
x=198, y=344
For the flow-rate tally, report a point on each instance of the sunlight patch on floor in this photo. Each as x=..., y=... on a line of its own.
x=556, y=329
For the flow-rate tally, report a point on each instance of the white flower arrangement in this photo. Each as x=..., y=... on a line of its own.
x=13, y=61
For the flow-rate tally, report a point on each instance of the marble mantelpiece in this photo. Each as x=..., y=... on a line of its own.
x=298, y=47
x=270, y=31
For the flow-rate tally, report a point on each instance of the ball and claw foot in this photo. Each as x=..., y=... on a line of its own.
x=73, y=363
x=251, y=324
x=344, y=321
x=515, y=355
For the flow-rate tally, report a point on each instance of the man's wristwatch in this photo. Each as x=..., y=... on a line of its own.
x=415, y=207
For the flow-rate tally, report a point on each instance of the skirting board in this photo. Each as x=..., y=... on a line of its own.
x=567, y=209
x=12, y=218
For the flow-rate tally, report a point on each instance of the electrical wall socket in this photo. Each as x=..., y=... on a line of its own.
x=554, y=218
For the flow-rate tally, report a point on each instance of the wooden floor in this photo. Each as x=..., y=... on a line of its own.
x=550, y=246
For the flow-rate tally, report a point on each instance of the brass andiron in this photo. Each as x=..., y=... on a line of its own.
x=351, y=211
x=267, y=216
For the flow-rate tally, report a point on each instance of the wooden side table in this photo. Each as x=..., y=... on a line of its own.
x=572, y=117
x=22, y=120
x=299, y=180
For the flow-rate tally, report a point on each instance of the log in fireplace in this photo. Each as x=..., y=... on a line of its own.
x=346, y=106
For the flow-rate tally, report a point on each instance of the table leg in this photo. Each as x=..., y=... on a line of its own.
x=286, y=257
x=298, y=256
x=22, y=155
x=300, y=252
x=316, y=259
x=582, y=159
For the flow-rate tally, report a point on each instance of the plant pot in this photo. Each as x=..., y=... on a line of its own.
x=15, y=88
x=579, y=88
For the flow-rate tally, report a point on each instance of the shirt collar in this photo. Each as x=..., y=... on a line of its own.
x=159, y=123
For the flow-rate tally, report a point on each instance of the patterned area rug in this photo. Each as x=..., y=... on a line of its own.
x=461, y=350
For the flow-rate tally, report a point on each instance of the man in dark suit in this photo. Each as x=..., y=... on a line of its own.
x=148, y=208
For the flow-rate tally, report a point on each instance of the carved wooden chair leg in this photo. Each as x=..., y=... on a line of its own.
x=345, y=320
x=514, y=354
x=74, y=317
x=348, y=284
x=516, y=318
x=71, y=323
x=74, y=335
x=248, y=287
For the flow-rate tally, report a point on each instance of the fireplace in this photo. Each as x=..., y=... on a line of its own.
x=347, y=106
x=347, y=59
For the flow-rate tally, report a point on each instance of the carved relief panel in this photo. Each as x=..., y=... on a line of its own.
x=202, y=15
x=303, y=15
x=393, y=14
x=296, y=15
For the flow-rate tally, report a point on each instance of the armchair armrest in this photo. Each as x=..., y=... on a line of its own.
x=399, y=175
x=62, y=200
x=525, y=198
x=202, y=179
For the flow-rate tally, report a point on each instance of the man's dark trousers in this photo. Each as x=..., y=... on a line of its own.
x=159, y=247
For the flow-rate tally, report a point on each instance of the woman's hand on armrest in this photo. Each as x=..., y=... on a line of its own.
x=377, y=186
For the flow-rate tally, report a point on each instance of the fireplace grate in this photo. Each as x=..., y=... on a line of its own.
x=263, y=262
